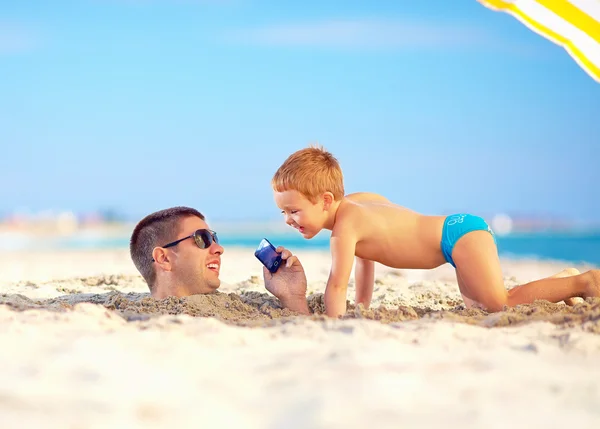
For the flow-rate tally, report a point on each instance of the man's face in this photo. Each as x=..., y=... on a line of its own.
x=300, y=213
x=195, y=268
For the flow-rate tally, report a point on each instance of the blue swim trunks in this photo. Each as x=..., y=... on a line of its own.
x=455, y=226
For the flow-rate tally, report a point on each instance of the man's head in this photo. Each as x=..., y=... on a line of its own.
x=188, y=267
x=305, y=187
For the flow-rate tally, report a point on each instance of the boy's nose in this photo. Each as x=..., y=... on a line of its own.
x=288, y=219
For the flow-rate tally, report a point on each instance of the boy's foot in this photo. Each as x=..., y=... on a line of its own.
x=592, y=281
x=568, y=273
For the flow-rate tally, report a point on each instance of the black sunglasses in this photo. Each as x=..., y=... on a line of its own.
x=202, y=237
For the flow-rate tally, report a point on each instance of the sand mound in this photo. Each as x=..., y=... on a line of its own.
x=262, y=309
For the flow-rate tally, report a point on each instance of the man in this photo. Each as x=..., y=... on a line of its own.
x=177, y=254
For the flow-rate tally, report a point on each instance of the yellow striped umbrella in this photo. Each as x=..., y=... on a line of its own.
x=572, y=24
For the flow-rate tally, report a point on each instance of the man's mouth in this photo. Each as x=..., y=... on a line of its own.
x=213, y=266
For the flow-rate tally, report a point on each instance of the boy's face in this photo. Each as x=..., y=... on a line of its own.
x=300, y=213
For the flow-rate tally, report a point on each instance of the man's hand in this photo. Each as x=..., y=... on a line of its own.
x=288, y=284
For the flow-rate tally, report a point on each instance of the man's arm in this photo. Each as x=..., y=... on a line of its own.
x=288, y=284
x=343, y=245
x=364, y=276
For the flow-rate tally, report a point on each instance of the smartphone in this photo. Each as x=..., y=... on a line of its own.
x=267, y=254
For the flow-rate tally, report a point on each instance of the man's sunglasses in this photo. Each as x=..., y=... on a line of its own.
x=202, y=237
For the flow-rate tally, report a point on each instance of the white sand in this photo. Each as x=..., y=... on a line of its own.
x=89, y=368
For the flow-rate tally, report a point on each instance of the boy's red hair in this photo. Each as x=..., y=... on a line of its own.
x=310, y=171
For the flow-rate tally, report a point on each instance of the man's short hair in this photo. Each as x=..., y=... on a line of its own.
x=156, y=229
x=310, y=171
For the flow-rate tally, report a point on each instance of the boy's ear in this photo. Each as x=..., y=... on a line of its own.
x=161, y=258
x=328, y=200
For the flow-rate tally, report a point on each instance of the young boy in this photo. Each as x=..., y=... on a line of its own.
x=309, y=190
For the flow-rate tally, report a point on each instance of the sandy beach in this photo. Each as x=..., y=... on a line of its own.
x=83, y=346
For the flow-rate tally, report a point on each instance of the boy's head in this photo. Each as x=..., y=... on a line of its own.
x=306, y=185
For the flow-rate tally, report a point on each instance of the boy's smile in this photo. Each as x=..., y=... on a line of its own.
x=300, y=213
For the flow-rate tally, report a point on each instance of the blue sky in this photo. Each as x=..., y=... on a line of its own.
x=138, y=105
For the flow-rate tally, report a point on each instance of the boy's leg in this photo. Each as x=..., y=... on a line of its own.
x=479, y=273
x=476, y=258
x=470, y=303
x=568, y=272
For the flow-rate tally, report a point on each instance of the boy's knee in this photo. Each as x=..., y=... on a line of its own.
x=495, y=303
x=496, y=307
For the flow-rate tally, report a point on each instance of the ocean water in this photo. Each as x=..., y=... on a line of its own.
x=574, y=248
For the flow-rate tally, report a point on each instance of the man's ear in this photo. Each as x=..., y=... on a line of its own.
x=161, y=258
x=328, y=200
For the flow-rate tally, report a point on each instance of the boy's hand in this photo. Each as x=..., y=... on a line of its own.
x=288, y=284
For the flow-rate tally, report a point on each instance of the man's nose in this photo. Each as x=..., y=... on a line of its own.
x=216, y=248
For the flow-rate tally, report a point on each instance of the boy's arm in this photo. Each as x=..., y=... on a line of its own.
x=364, y=276
x=342, y=254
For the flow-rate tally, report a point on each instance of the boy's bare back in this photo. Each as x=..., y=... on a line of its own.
x=390, y=234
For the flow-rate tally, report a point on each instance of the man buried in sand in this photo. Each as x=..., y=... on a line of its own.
x=309, y=189
x=178, y=255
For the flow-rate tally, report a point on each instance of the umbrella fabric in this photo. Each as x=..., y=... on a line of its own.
x=572, y=24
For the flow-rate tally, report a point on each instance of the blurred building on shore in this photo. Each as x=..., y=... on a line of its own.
x=46, y=223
